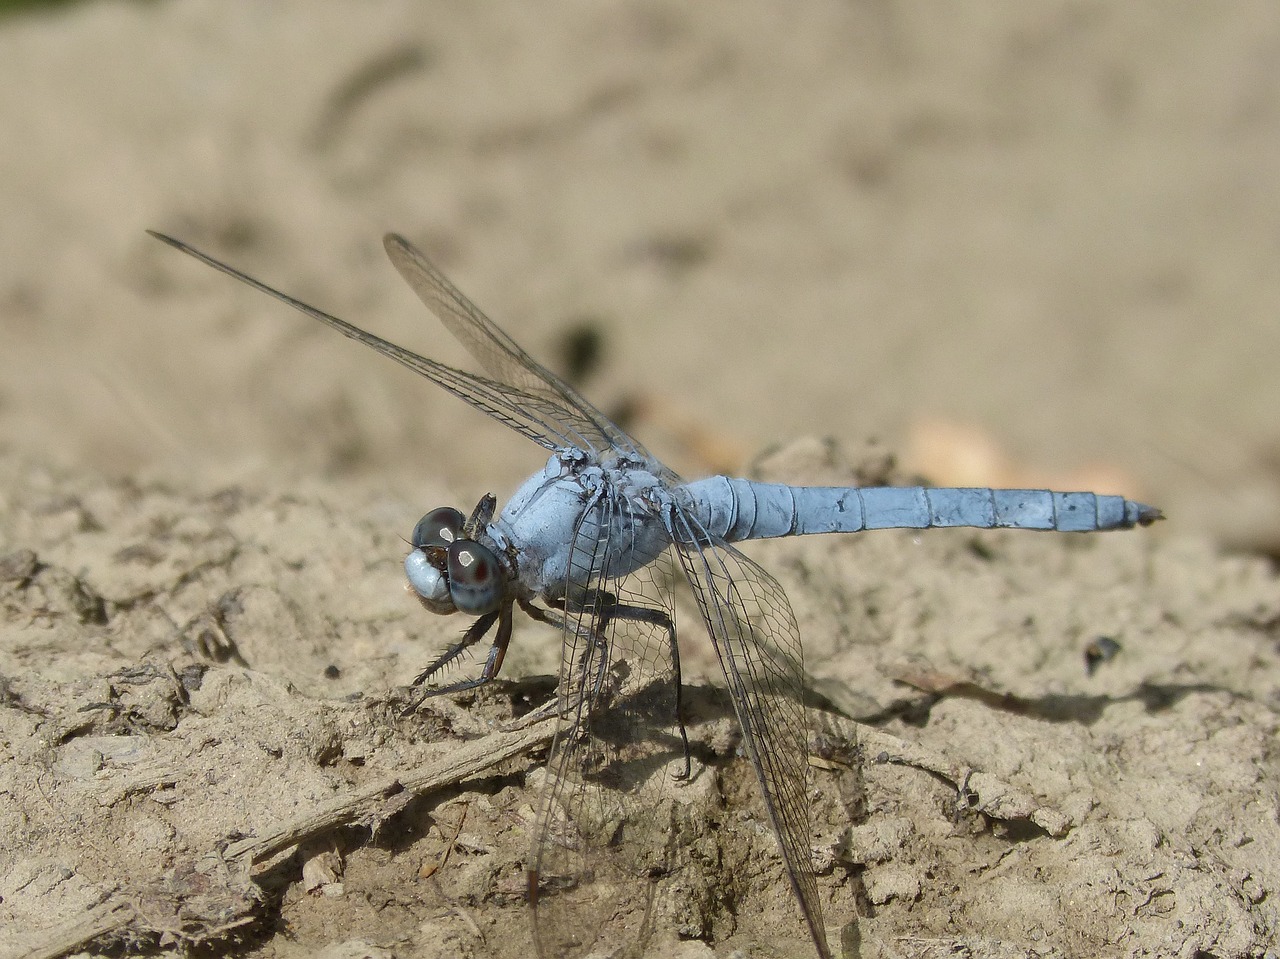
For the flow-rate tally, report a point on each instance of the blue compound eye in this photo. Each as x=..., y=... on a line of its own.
x=475, y=577
x=440, y=527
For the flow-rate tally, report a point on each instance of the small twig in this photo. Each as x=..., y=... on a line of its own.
x=462, y=763
x=76, y=934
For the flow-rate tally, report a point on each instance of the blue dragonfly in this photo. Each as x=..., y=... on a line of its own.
x=592, y=544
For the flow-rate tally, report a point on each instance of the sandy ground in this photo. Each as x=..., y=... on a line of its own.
x=1008, y=243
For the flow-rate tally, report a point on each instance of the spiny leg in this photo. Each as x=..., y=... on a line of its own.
x=657, y=617
x=474, y=633
x=611, y=609
x=481, y=516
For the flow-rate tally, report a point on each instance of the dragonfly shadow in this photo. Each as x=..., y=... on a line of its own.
x=650, y=722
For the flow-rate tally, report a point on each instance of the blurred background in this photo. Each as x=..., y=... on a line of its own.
x=1015, y=244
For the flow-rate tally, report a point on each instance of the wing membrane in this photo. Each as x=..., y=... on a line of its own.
x=502, y=358
x=542, y=416
x=607, y=811
x=758, y=643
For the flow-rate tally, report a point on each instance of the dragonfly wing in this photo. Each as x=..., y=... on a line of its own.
x=541, y=418
x=502, y=358
x=608, y=808
x=758, y=643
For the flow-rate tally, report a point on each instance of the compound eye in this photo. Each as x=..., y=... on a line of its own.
x=440, y=527
x=429, y=583
x=475, y=578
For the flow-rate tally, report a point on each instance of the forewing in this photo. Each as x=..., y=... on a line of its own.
x=609, y=806
x=535, y=415
x=503, y=360
x=758, y=644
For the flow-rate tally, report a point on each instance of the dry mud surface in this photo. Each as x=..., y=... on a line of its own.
x=1019, y=244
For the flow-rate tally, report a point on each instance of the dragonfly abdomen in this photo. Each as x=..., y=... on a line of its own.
x=739, y=509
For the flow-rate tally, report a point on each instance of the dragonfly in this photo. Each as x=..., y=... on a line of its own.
x=593, y=544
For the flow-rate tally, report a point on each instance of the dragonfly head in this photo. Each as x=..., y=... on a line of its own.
x=450, y=573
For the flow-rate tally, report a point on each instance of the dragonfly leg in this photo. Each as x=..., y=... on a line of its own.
x=610, y=609
x=557, y=616
x=481, y=516
x=476, y=632
x=658, y=617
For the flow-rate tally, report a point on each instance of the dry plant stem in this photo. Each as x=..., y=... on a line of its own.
x=77, y=934
x=460, y=764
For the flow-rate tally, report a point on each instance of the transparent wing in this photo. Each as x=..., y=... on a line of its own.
x=539, y=416
x=503, y=360
x=758, y=643
x=609, y=807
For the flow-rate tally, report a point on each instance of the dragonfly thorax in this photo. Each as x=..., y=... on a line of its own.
x=560, y=519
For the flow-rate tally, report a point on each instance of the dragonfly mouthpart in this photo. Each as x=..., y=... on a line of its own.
x=429, y=581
